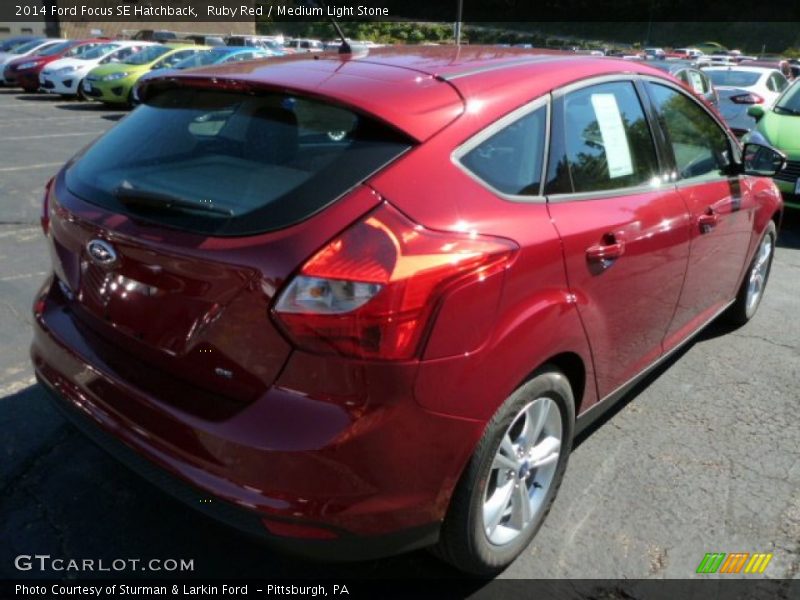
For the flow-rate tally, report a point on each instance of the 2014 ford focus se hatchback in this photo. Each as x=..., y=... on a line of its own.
x=364, y=303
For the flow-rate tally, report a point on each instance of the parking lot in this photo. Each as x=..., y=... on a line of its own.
x=702, y=457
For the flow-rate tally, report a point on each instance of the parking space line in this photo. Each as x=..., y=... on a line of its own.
x=23, y=276
x=54, y=135
x=30, y=167
x=16, y=386
x=11, y=120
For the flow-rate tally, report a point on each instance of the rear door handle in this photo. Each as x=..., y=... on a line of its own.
x=708, y=221
x=611, y=248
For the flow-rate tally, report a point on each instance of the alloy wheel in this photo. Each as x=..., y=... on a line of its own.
x=522, y=471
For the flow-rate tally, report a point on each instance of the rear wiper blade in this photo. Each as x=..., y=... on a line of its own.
x=166, y=202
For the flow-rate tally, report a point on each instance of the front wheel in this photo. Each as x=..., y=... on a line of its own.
x=81, y=94
x=755, y=281
x=512, y=478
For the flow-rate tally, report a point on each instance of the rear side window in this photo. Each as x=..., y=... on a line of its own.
x=700, y=146
x=510, y=161
x=230, y=164
x=604, y=141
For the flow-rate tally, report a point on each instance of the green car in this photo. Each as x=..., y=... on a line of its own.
x=780, y=126
x=113, y=83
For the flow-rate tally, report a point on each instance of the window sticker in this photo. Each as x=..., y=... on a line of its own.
x=615, y=142
x=697, y=82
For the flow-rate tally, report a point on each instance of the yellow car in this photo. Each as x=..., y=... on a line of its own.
x=113, y=83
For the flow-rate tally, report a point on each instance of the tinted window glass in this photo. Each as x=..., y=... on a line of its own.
x=699, y=144
x=147, y=55
x=606, y=141
x=51, y=49
x=511, y=160
x=732, y=78
x=200, y=59
x=790, y=101
x=231, y=164
x=27, y=47
x=173, y=59
x=97, y=51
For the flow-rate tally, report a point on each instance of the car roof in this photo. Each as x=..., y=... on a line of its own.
x=420, y=89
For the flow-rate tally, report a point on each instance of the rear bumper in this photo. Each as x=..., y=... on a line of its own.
x=346, y=547
x=373, y=472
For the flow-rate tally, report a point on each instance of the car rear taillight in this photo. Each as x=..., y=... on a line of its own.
x=749, y=98
x=371, y=292
x=45, y=218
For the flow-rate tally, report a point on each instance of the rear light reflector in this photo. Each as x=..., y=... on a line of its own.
x=45, y=218
x=296, y=530
x=371, y=292
x=747, y=99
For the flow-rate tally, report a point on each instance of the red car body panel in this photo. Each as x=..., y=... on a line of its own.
x=371, y=447
x=28, y=79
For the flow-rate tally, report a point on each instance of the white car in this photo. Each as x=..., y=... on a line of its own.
x=65, y=75
x=764, y=84
x=301, y=46
x=27, y=49
x=739, y=88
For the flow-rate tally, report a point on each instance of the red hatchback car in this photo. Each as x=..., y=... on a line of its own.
x=365, y=303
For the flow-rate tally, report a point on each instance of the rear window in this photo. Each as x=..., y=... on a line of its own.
x=230, y=164
x=731, y=78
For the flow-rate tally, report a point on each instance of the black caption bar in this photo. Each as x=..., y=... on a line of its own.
x=474, y=11
x=440, y=589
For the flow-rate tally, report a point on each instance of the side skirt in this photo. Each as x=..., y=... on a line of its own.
x=602, y=406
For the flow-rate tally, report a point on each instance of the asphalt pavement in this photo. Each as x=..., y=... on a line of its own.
x=702, y=457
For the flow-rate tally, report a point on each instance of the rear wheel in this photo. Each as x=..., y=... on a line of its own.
x=511, y=481
x=755, y=281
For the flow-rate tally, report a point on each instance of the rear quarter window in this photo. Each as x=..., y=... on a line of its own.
x=510, y=159
x=230, y=164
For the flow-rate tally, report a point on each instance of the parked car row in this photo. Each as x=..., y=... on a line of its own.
x=106, y=70
x=745, y=95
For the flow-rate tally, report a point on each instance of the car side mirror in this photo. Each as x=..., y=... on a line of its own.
x=763, y=161
x=756, y=111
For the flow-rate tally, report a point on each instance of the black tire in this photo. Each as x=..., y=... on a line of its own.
x=81, y=94
x=463, y=542
x=741, y=311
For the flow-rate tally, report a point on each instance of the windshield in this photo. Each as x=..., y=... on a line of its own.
x=246, y=163
x=54, y=49
x=147, y=55
x=790, y=100
x=27, y=47
x=11, y=45
x=734, y=78
x=98, y=51
x=201, y=59
x=80, y=50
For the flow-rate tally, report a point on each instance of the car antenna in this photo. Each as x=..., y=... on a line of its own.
x=344, y=48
